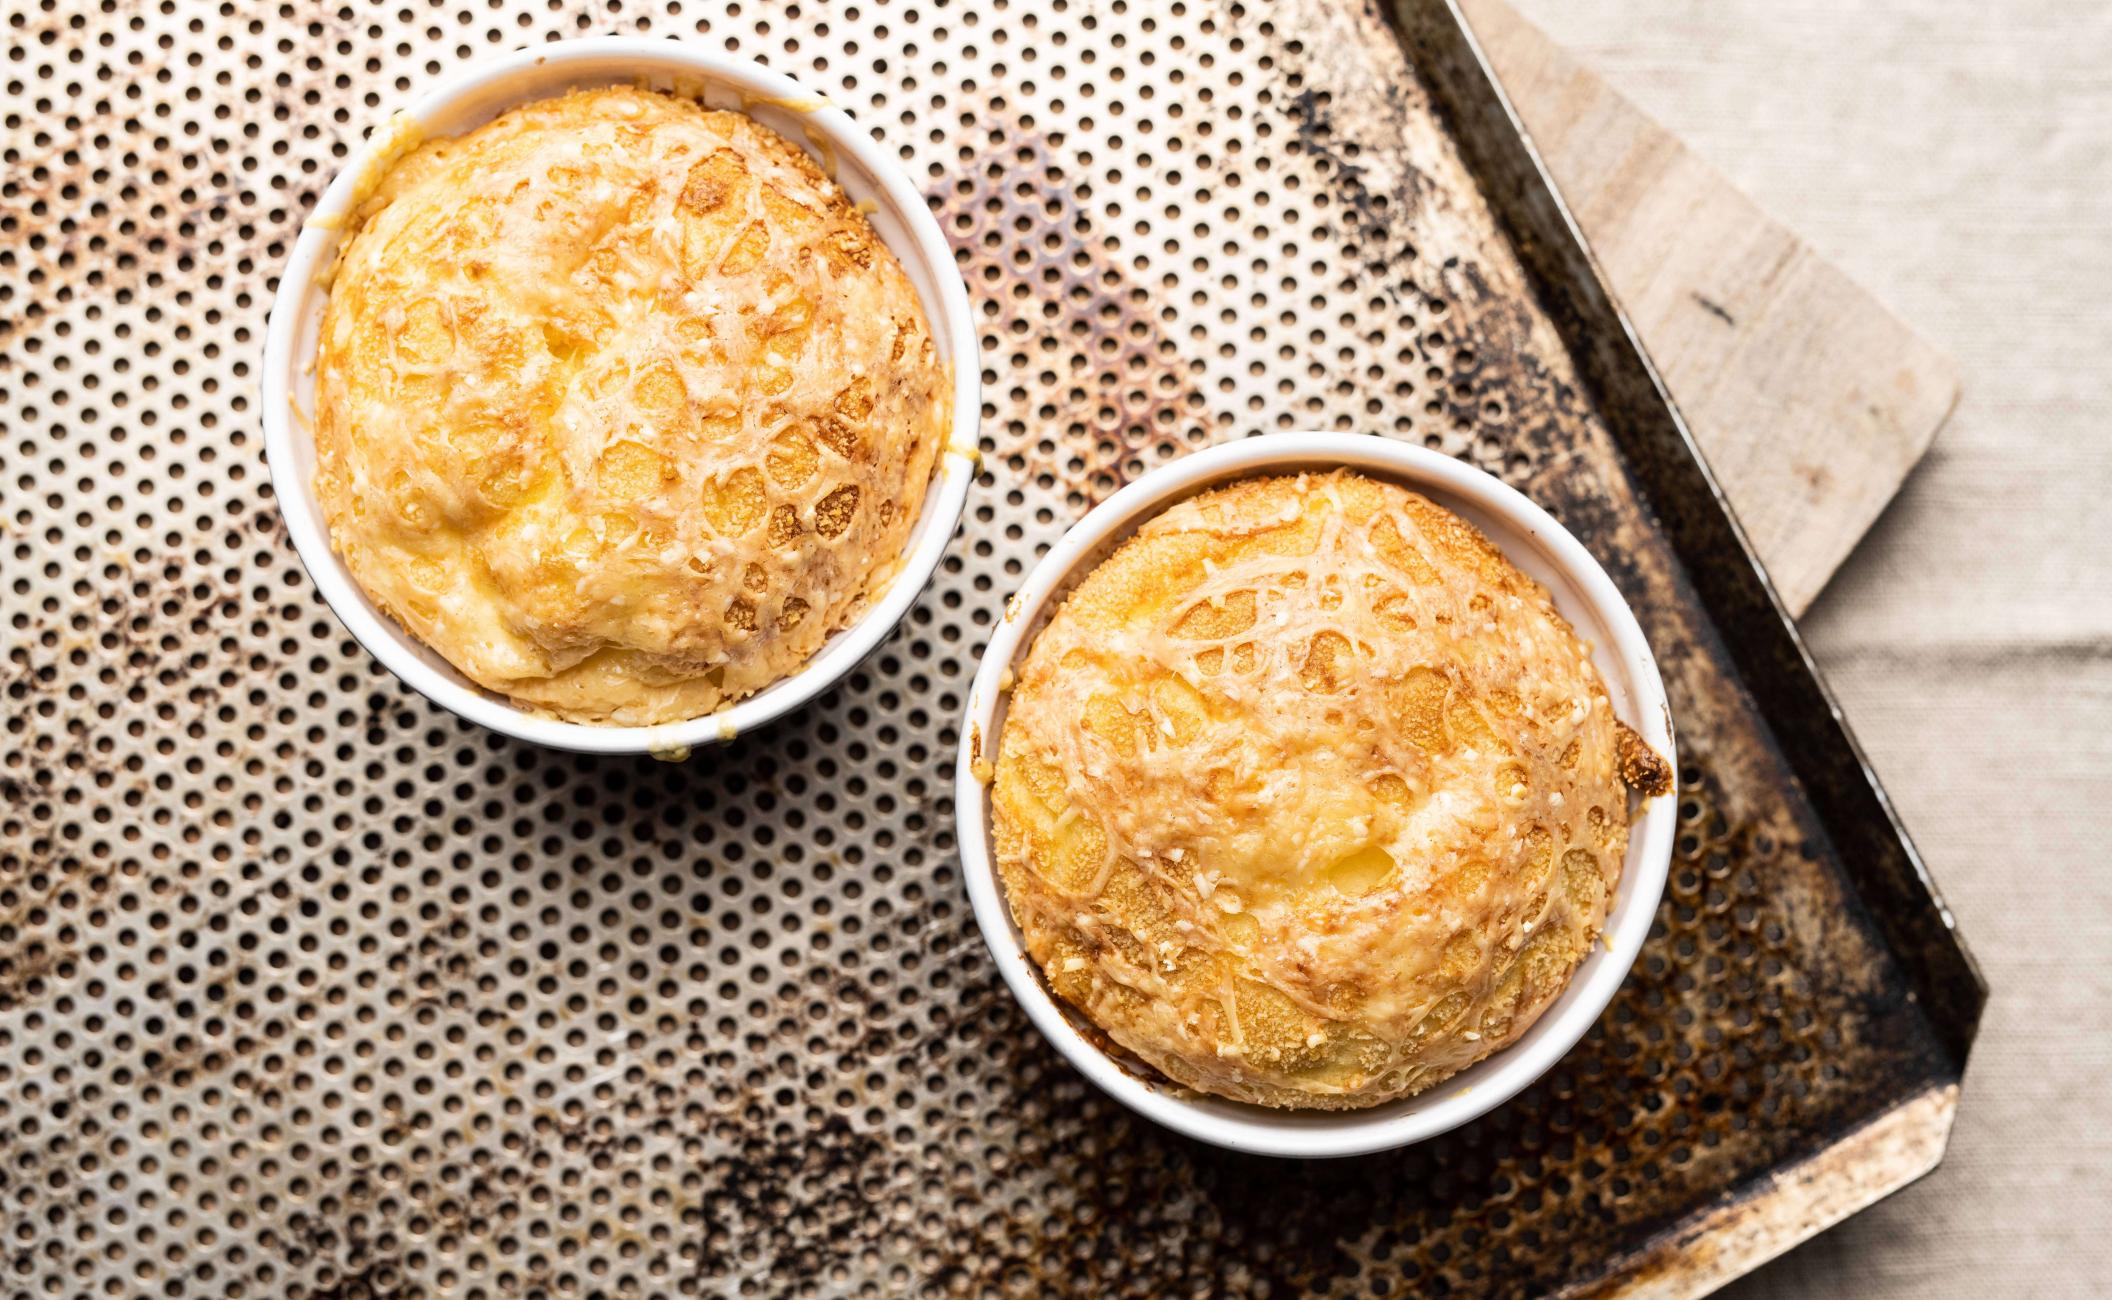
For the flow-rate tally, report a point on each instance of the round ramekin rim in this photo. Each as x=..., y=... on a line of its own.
x=1496, y=1079
x=945, y=499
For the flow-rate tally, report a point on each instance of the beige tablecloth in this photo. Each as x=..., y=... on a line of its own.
x=1957, y=158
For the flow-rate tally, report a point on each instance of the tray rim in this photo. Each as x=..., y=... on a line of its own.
x=1894, y=1146
x=1794, y=1202
x=1784, y=620
x=1929, y=1122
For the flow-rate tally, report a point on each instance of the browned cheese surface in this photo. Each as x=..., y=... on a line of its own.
x=621, y=405
x=1307, y=796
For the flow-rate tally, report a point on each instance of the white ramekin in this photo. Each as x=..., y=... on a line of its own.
x=868, y=174
x=1582, y=592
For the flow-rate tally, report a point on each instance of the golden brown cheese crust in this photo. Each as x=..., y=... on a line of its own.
x=622, y=407
x=1307, y=796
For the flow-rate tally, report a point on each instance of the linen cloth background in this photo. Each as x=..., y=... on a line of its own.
x=1956, y=158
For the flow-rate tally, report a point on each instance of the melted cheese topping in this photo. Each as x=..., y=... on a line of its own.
x=1307, y=796
x=622, y=407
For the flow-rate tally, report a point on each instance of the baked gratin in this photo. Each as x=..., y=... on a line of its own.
x=1306, y=796
x=621, y=405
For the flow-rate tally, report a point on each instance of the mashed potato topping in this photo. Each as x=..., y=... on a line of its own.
x=1307, y=796
x=622, y=407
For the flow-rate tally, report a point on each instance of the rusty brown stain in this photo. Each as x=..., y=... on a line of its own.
x=23, y=972
x=1084, y=428
x=72, y=229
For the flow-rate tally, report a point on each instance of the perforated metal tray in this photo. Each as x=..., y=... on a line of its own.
x=307, y=989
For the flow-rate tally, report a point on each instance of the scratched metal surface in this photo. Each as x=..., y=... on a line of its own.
x=307, y=989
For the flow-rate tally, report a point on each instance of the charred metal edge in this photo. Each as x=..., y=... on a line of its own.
x=1756, y=634
x=1763, y=1220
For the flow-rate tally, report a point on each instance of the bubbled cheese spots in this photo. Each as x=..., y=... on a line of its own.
x=622, y=407
x=1307, y=796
